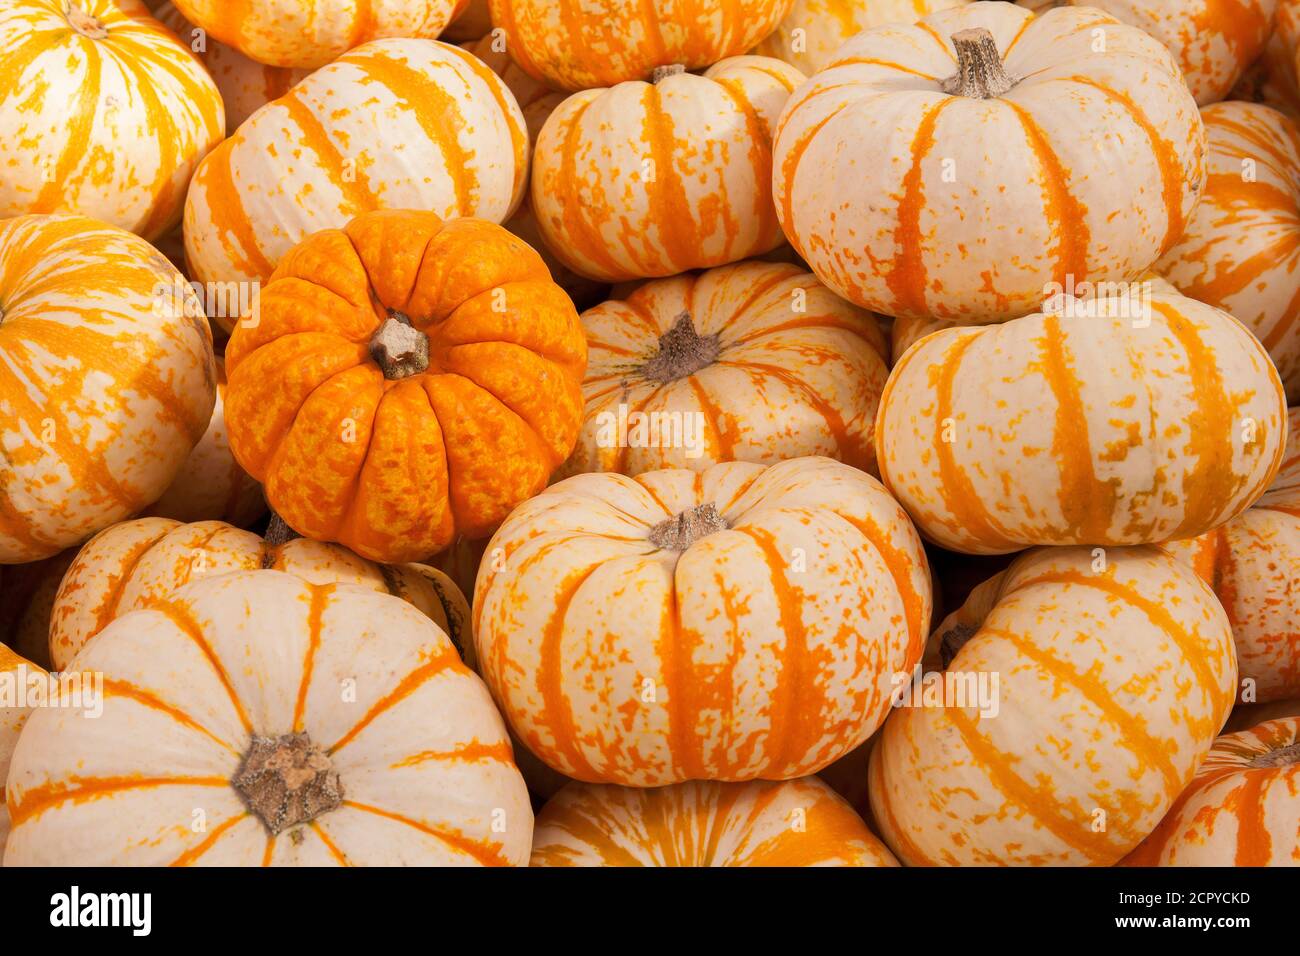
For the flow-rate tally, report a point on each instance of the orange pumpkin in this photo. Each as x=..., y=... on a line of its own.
x=404, y=381
x=702, y=823
x=1240, y=809
x=755, y=362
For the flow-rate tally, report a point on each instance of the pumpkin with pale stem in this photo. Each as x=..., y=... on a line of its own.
x=307, y=724
x=951, y=168
x=1124, y=420
x=1115, y=671
x=311, y=33
x=756, y=361
x=737, y=623
x=703, y=823
x=405, y=380
x=1253, y=564
x=322, y=154
x=1240, y=809
x=653, y=179
x=107, y=380
x=1241, y=249
x=12, y=717
x=102, y=112
x=814, y=29
x=597, y=43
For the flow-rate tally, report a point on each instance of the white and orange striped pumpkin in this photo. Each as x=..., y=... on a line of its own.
x=324, y=153
x=1253, y=564
x=1055, y=158
x=814, y=29
x=651, y=179
x=311, y=33
x=601, y=43
x=107, y=380
x=535, y=99
x=1241, y=249
x=136, y=564
x=253, y=718
x=755, y=361
x=102, y=113
x=1125, y=420
x=1115, y=671
x=703, y=823
x=14, y=671
x=731, y=624
x=1240, y=809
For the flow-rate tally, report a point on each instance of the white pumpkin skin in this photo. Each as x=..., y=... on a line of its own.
x=422, y=759
x=12, y=718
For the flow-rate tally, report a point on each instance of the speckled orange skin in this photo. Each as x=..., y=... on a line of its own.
x=623, y=41
x=396, y=469
x=12, y=719
x=1112, y=686
x=1233, y=813
x=1253, y=564
x=107, y=117
x=107, y=380
x=792, y=823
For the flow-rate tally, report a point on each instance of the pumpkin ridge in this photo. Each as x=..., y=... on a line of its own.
x=184, y=622
x=37, y=800
x=488, y=854
x=76, y=147
x=125, y=689
x=215, y=834
x=331, y=847
x=315, y=611
x=403, y=689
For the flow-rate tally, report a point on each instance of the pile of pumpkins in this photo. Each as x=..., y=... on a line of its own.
x=509, y=431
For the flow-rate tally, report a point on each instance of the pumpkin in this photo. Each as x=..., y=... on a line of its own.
x=749, y=362
x=814, y=29
x=245, y=84
x=1115, y=672
x=138, y=563
x=1124, y=420
x=312, y=33
x=704, y=823
x=1240, y=809
x=324, y=153
x=210, y=485
x=601, y=43
x=255, y=718
x=1241, y=250
x=15, y=672
x=959, y=167
x=102, y=112
x=406, y=380
x=474, y=21
x=1253, y=564
x=535, y=99
x=107, y=380
x=736, y=623
x=27, y=594
x=651, y=179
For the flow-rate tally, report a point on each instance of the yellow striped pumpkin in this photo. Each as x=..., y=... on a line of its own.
x=1115, y=672
x=1241, y=807
x=355, y=737
x=102, y=112
x=15, y=671
x=596, y=43
x=1241, y=249
x=755, y=361
x=652, y=179
x=324, y=153
x=731, y=624
x=704, y=823
x=107, y=380
x=909, y=199
x=310, y=33
x=1253, y=564
x=1126, y=420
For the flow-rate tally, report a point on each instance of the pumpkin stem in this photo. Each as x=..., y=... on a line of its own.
x=399, y=348
x=679, y=533
x=954, y=640
x=979, y=67
x=278, y=531
x=85, y=24
x=682, y=352
x=662, y=73
x=1281, y=757
x=287, y=780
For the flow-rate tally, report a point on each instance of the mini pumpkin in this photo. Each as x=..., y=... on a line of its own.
x=960, y=167
x=704, y=823
x=652, y=179
x=302, y=725
x=405, y=380
x=14, y=672
x=756, y=361
x=1114, y=673
x=731, y=624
